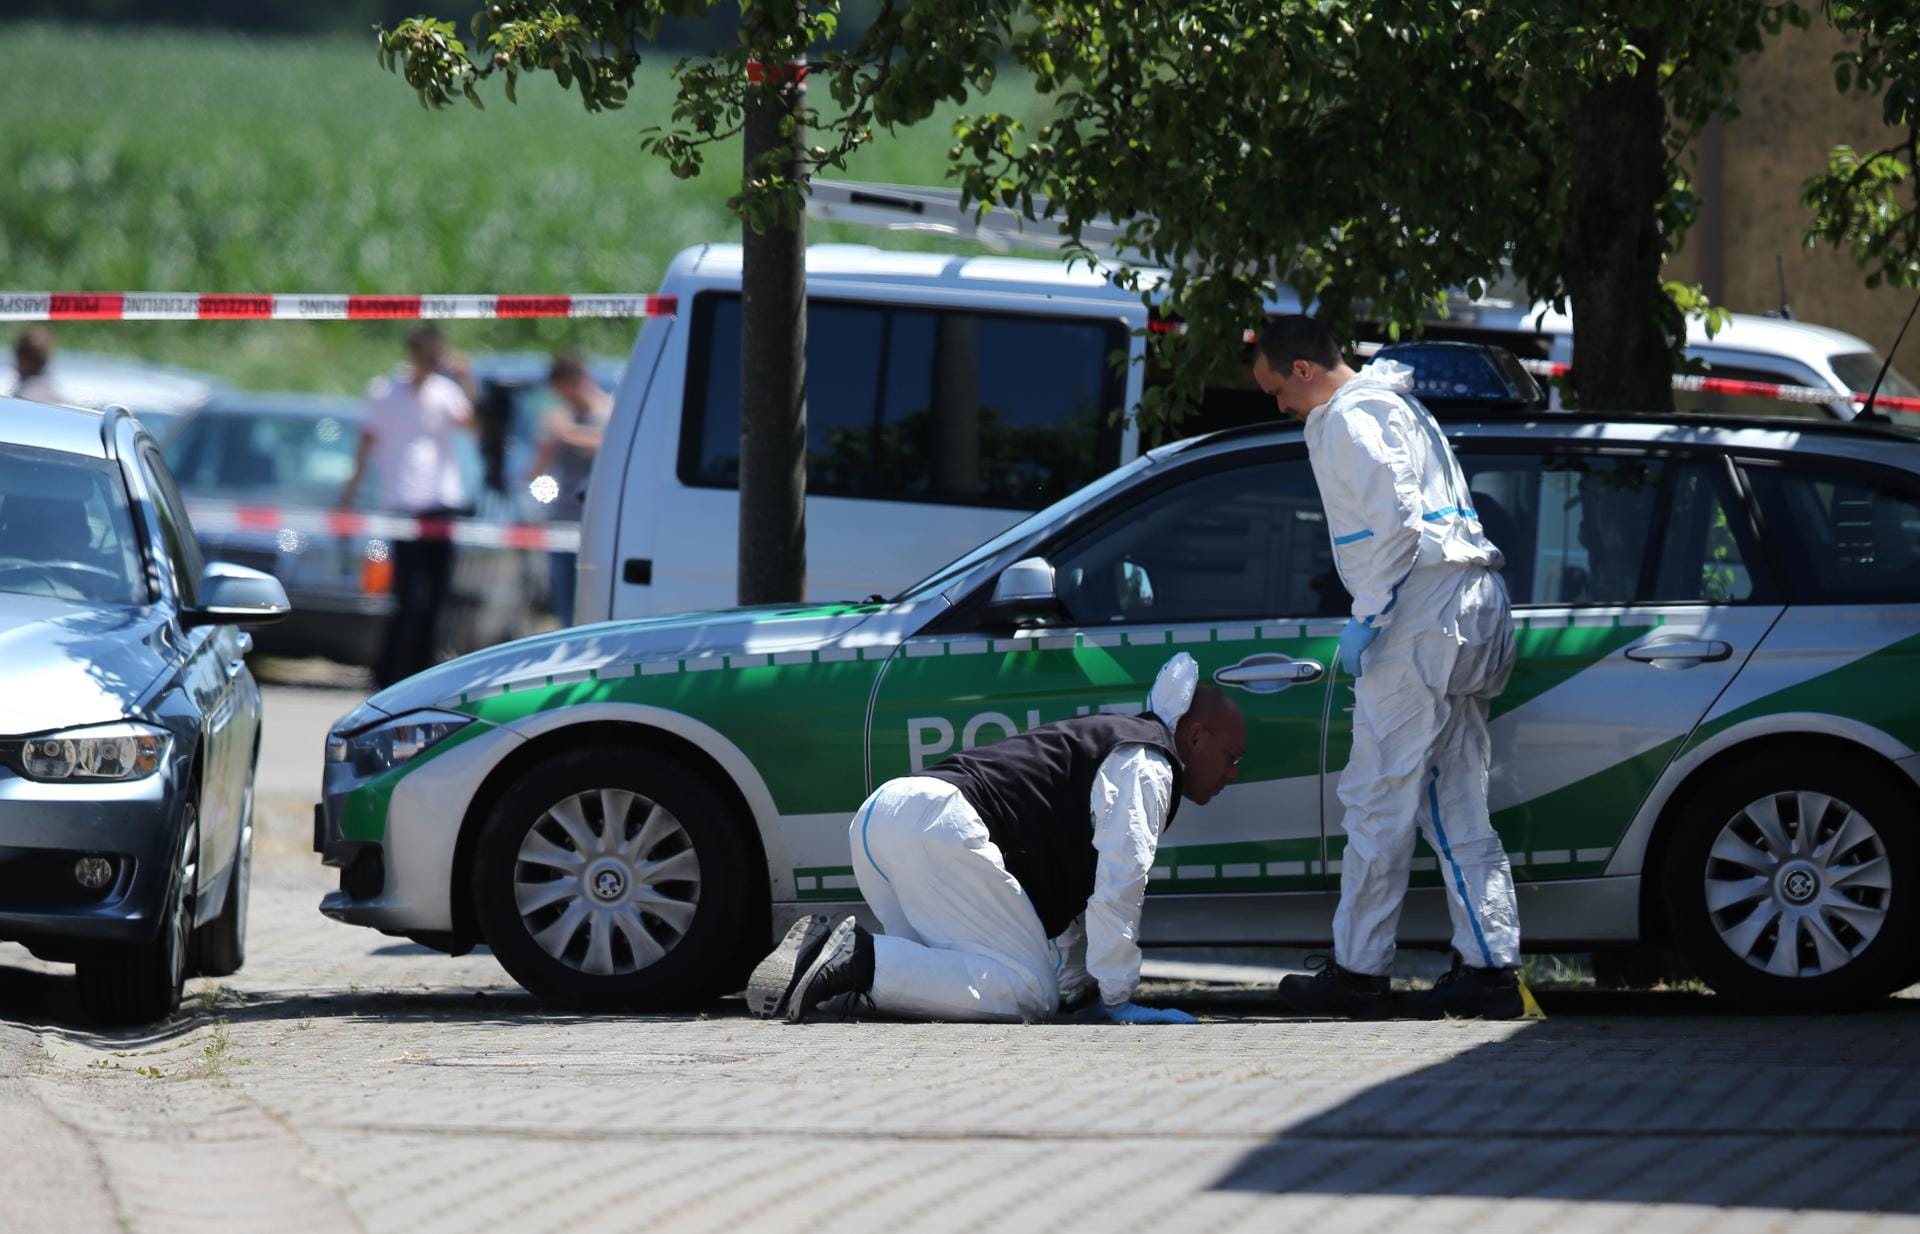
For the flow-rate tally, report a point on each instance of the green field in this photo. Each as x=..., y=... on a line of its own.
x=150, y=161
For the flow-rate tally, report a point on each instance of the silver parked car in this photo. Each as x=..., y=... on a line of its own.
x=129, y=724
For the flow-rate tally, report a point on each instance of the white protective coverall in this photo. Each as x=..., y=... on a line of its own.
x=1409, y=548
x=961, y=939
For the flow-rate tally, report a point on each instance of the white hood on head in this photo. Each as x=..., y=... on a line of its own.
x=1173, y=689
x=1389, y=375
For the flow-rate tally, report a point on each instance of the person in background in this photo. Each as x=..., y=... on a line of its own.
x=409, y=435
x=32, y=354
x=569, y=437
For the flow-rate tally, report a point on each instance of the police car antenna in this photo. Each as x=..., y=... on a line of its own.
x=1780, y=271
x=1866, y=413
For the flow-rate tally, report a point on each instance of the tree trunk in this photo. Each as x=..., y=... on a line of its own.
x=1625, y=328
x=773, y=370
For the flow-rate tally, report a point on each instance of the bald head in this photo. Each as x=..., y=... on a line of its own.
x=1211, y=738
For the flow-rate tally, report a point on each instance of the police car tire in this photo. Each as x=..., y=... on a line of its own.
x=703, y=963
x=1884, y=966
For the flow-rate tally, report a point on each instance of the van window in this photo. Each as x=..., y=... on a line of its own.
x=915, y=404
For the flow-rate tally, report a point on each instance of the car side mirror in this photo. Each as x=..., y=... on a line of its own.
x=1024, y=594
x=233, y=595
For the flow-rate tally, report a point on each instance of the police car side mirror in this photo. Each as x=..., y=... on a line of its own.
x=1024, y=594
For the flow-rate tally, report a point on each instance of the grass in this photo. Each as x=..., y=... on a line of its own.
x=169, y=161
x=213, y=1062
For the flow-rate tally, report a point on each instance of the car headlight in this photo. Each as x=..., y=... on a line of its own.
x=397, y=741
x=103, y=752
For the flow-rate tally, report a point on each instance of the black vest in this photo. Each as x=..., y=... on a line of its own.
x=1032, y=790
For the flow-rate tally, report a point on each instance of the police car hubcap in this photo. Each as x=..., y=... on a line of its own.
x=1798, y=884
x=607, y=882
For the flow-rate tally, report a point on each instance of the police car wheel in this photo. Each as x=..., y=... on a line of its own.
x=615, y=876
x=1792, y=885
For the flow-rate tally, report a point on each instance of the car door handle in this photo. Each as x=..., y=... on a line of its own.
x=1268, y=673
x=1700, y=651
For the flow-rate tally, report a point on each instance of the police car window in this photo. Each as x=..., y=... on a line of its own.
x=1249, y=543
x=1842, y=536
x=923, y=405
x=1573, y=527
x=1701, y=560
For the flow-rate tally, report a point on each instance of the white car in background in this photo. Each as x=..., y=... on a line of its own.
x=158, y=395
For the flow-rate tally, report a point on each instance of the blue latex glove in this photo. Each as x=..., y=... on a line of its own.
x=1355, y=637
x=1134, y=1013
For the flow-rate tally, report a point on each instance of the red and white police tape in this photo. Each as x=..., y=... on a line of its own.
x=227, y=517
x=197, y=306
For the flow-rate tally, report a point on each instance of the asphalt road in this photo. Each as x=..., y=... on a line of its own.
x=346, y=1081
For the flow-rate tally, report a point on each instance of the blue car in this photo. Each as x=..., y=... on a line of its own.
x=129, y=724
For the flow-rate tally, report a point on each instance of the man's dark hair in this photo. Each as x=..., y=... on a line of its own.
x=426, y=343
x=1298, y=337
x=33, y=350
x=568, y=365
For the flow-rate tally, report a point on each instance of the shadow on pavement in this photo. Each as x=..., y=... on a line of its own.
x=49, y=1001
x=1665, y=1098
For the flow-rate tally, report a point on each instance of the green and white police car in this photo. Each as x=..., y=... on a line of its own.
x=1709, y=741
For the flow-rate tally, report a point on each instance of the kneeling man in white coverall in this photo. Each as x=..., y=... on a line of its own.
x=989, y=870
x=1429, y=645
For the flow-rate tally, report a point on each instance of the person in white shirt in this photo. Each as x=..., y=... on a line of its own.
x=992, y=871
x=409, y=435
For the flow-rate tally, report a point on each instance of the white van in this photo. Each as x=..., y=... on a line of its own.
x=950, y=396
x=947, y=397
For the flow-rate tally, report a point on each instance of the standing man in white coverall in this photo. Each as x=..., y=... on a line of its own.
x=1429, y=645
x=991, y=869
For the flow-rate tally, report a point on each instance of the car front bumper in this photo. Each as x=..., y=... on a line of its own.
x=396, y=860
x=45, y=828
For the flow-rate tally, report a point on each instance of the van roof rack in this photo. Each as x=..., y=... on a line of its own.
x=939, y=211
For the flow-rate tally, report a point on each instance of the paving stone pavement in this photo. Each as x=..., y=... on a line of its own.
x=344, y=1081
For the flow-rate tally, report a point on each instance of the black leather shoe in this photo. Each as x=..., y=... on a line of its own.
x=1336, y=991
x=1466, y=993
